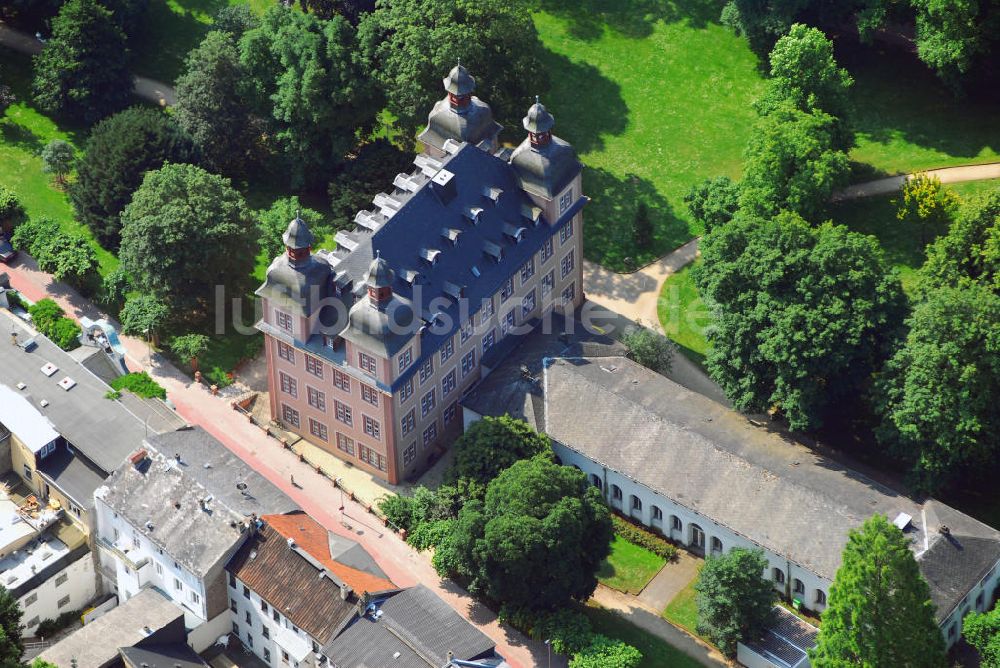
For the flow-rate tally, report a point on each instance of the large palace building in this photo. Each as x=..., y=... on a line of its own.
x=370, y=346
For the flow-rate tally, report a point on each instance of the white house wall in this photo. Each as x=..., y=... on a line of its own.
x=980, y=598
x=70, y=589
x=252, y=634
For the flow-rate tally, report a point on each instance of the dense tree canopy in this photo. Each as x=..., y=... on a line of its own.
x=143, y=315
x=412, y=44
x=65, y=255
x=119, y=152
x=792, y=163
x=493, y=444
x=536, y=514
x=804, y=315
x=970, y=251
x=185, y=233
x=306, y=78
x=938, y=395
x=734, y=598
x=879, y=611
x=212, y=106
x=83, y=70
x=369, y=171
x=11, y=646
x=714, y=201
x=650, y=349
x=982, y=631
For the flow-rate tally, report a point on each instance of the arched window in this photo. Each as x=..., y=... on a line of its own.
x=675, y=523
x=636, y=503
x=616, y=492
x=596, y=480
x=798, y=587
x=716, y=544
x=820, y=597
x=657, y=513
x=779, y=575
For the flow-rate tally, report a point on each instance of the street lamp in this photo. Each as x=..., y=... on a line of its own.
x=548, y=650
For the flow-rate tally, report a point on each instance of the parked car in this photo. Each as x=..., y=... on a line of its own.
x=7, y=252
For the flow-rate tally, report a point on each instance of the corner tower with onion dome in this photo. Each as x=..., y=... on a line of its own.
x=371, y=345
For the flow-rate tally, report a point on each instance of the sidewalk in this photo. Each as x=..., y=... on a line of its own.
x=314, y=493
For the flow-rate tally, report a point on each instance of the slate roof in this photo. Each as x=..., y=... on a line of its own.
x=757, y=482
x=165, y=655
x=410, y=629
x=787, y=638
x=169, y=494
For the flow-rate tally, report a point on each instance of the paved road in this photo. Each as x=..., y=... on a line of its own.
x=311, y=491
x=156, y=92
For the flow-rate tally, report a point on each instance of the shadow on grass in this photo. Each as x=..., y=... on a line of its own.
x=20, y=136
x=609, y=221
x=168, y=33
x=632, y=18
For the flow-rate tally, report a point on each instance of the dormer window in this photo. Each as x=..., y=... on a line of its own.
x=514, y=232
x=430, y=255
x=473, y=213
x=451, y=235
x=411, y=276
x=492, y=194
x=283, y=320
x=493, y=250
x=531, y=213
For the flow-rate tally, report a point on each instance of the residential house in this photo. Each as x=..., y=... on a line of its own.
x=370, y=346
x=172, y=516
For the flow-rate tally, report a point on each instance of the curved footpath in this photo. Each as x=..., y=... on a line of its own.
x=636, y=295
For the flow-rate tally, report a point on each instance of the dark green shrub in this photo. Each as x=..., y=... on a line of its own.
x=217, y=376
x=429, y=534
x=65, y=333
x=139, y=383
x=44, y=314
x=644, y=538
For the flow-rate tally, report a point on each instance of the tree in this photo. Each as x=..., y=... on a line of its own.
x=734, y=598
x=649, y=349
x=234, y=20
x=643, y=226
x=189, y=347
x=605, y=652
x=982, y=631
x=306, y=78
x=879, y=612
x=7, y=96
x=144, y=315
x=83, y=70
x=57, y=158
x=805, y=74
x=950, y=35
x=212, y=106
x=714, y=201
x=11, y=645
x=926, y=206
x=119, y=152
x=970, y=251
x=493, y=444
x=115, y=285
x=369, y=171
x=937, y=396
x=792, y=163
x=11, y=211
x=536, y=513
x=411, y=45
x=185, y=235
x=803, y=316
x=762, y=21
x=65, y=255
x=272, y=223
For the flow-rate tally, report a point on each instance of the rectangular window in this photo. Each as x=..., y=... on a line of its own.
x=27, y=472
x=236, y=629
x=405, y=358
x=426, y=370
x=289, y=415
x=249, y=639
x=506, y=324
x=569, y=292
x=430, y=433
x=178, y=586
x=264, y=631
x=566, y=233
x=369, y=394
x=409, y=422
x=344, y=444
x=286, y=352
x=527, y=270
x=232, y=581
x=63, y=602
x=283, y=321
x=249, y=621
x=447, y=350
x=263, y=607
x=267, y=655
x=468, y=362
x=317, y=399
x=288, y=384
x=371, y=457
x=318, y=429
x=367, y=363
x=373, y=428
x=195, y=598
x=406, y=390
x=486, y=312
x=467, y=328
x=409, y=454
x=527, y=305
x=565, y=201
x=61, y=579
x=343, y=413
x=489, y=338
x=427, y=403
x=548, y=250
x=314, y=366
x=548, y=283
x=232, y=606
x=342, y=381
x=448, y=383
x=450, y=412
x=159, y=568
x=566, y=267
x=275, y=615
x=30, y=600
x=507, y=290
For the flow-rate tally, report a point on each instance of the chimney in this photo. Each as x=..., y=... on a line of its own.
x=944, y=530
x=291, y=543
x=444, y=187
x=345, y=591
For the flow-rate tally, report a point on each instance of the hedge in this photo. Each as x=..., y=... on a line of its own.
x=48, y=319
x=644, y=538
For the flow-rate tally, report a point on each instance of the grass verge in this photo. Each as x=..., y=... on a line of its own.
x=629, y=567
x=682, y=610
x=684, y=316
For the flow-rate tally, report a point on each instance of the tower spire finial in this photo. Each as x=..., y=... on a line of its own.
x=538, y=99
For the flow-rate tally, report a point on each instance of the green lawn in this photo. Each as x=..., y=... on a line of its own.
x=682, y=610
x=656, y=653
x=629, y=567
x=683, y=314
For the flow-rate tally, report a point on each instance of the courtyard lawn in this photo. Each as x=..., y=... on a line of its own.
x=682, y=611
x=656, y=653
x=24, y=131
x=683, y=314
x=629, y=567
